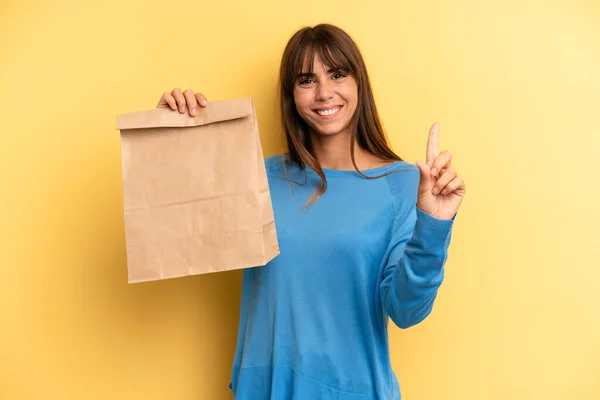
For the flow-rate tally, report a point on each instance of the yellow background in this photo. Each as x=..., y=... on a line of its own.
x=514, y=84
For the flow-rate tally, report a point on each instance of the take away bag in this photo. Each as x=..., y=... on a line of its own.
x=195, y=192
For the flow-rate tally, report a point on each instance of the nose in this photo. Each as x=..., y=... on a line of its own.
x=324, y=90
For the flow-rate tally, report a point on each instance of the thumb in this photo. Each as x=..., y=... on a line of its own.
x=426, y=179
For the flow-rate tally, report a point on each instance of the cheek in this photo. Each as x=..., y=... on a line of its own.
x=349, y=92
x=352, y=94
x=351, y=99
x=300, y=101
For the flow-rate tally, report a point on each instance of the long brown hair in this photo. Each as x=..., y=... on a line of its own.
x=338, y=51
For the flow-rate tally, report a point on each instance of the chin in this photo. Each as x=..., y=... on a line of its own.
x=329, y=131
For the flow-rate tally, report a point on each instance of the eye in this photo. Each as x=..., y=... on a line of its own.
x=339, y=75
x=305, y=81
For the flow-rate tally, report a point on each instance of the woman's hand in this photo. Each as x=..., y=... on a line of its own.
x=184, y=102
x=441, y=190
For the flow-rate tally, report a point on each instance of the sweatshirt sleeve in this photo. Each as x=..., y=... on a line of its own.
x=414, y=269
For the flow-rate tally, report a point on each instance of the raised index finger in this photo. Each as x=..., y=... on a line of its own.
x=432, y=142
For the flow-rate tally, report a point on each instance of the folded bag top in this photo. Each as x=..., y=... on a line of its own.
x=215, y=111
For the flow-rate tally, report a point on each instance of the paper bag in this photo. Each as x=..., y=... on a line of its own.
x=195, y=192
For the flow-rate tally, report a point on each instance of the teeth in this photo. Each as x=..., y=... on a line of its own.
x=328, y=112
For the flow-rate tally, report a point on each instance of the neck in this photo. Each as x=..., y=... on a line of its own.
x=333, y=152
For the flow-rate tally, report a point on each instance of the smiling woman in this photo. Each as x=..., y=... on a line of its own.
x=372, y=246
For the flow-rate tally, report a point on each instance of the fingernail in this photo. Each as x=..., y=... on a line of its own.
x=203, y=102
x=435, y=190
x=434, y=171
x=193, y=112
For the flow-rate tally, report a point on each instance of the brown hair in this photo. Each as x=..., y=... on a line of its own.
x=338, y=51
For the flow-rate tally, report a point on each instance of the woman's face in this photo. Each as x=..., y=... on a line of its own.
x=326, y=99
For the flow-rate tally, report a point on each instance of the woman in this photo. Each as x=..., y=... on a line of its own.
x=371, y=244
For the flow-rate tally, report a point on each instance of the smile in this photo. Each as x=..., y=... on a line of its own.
x=329, y=112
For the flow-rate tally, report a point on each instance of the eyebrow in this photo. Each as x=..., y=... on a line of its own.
x=311, y=75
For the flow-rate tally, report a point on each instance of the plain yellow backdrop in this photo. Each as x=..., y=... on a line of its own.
x=515, y=86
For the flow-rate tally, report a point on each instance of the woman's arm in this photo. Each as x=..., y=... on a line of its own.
x=415, y=268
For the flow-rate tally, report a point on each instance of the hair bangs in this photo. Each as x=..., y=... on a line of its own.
x=327, y=50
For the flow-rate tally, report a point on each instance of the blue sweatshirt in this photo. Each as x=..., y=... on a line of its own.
x=313, y=321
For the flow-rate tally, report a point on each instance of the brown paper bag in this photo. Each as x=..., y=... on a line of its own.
x=195, y=192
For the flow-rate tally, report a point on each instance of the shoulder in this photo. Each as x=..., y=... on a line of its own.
x=279, y=166
x=404, y=188
x=280, y=163
x=403, y=184
x=274, y=163
x=403, y=179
